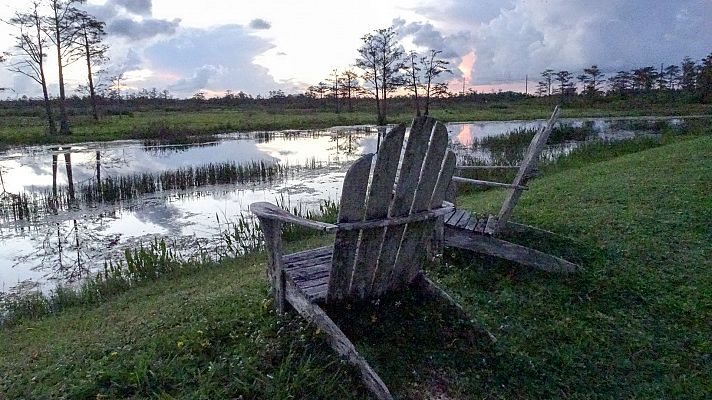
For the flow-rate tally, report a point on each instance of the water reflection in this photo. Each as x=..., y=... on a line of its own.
x=69, y=242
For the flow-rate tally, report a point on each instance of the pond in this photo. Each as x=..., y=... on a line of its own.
x=66, y=210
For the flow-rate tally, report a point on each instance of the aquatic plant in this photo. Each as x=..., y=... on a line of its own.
x=113, y=189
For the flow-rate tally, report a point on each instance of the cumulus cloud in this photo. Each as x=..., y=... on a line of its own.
x=131, y=19
x=201, y=78
x=259, y=23
x=514, y=37
x=214, y=59
x=138, y=7
x=426, y=36
x=143, y=29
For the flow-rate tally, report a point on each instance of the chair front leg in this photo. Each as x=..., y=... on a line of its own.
x=272, y=231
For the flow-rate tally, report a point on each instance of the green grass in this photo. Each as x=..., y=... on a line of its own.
x=635, y=324
x=30, y=128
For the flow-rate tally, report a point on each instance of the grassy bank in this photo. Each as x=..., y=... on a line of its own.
x=30, y=128
x=635, y=324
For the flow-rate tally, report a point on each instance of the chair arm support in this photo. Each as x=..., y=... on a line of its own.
x=270, y=211
x=487, y=183
x=466, y=167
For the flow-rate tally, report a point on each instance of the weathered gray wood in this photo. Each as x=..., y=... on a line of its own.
x=406, y=186
x=271, y=211
x=478, y=182
x=432, y=290
x=466, y=167
x=272, y=231
x=455, y=218
x=411, y=167
x=508, y=251
x=481, y=224
x=462, y=223
x=529, y=162
x=412, y=253
x=491, y=225
x=381, y=223
x=379, y=198
x=451, y=193
x=440, y=194
x=336, y=339
x=472, y=223
x=430, y=172
x=353, y=196
x=384, y=174
x=445, y=185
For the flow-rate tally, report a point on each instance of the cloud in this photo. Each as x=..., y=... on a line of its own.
x=426, y=36
x=517, y=37
x=143, y=29
x=259, y=23
x=201, y=78
x=213, y=59
x=131, y=19
x=138, y=7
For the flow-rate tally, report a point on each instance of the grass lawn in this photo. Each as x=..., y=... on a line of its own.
x=636, y=323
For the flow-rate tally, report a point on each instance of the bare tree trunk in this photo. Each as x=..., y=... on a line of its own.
x=43, y=80
x=63, y=118
x=47, y=104
x=384, y=109
x=351, y=106
x=381, y=119
x=92, y=93
x=427, y=99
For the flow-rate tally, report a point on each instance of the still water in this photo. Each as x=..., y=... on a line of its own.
x=55, y=241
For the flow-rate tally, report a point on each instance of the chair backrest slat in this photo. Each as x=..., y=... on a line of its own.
x=412, y=252
x=444, y=179
x=380, y=195
x=351, y=209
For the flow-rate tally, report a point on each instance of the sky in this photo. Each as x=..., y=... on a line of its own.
x=259, y=46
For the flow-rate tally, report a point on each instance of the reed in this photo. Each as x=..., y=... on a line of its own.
x=114, y=189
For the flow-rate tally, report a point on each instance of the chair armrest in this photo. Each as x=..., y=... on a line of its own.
x=271, y=211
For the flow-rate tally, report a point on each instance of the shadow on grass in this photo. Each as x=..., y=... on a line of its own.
x=419, y=346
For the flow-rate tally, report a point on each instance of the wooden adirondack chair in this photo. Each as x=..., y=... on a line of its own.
x=467, y=230
x=388, y=211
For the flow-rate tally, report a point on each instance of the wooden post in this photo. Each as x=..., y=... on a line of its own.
x=54, y=175
x=272, y=231
x=70, y=176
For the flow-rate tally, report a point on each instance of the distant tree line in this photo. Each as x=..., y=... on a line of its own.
x=690, y=77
